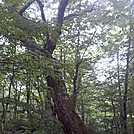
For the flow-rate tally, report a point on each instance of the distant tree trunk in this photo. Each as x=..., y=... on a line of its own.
x=82, y=110
x=3, y=119
x=5, y=106
x=115, y=120
x=15, y=99
x=127, y=70
x=120, y=91
x=77, y=65
x=126, y=89
x=28, y=91
x=3, y=116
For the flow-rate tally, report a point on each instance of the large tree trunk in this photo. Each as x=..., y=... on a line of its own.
x=72, y=124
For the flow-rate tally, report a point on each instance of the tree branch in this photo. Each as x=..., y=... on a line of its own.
x=23, y=9
x=51, y=41
x=60, y=18
x=87, y=10
x=41, y=9
x=71, y=15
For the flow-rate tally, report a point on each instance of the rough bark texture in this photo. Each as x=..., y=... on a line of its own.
x=72, y=124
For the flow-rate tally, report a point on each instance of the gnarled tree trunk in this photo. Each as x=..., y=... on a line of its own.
x=72, y=124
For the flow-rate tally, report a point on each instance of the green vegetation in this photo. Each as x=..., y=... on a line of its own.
x=67, y=67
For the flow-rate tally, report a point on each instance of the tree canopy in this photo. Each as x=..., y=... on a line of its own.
x=67, y=67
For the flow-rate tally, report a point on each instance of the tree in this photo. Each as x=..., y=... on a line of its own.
x=40, y=38
x=70, y=67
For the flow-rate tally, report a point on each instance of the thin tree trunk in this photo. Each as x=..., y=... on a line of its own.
x=115, y=121
x=15, y=99
x=27, y=92
x=120, y=91
x=82, y=110
x=3, y=119
x=127, y=69
x=126, y=91
x=77, y=65
x=3, y=116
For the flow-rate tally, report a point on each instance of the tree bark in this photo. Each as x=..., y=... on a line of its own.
x=72, y=124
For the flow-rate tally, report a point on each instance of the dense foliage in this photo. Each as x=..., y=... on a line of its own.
x=74, y=56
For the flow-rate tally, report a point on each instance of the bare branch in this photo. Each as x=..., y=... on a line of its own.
x=71, y=15
x=61, y=11
x=23, y=9
x=131, y=59
x=41, y=9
